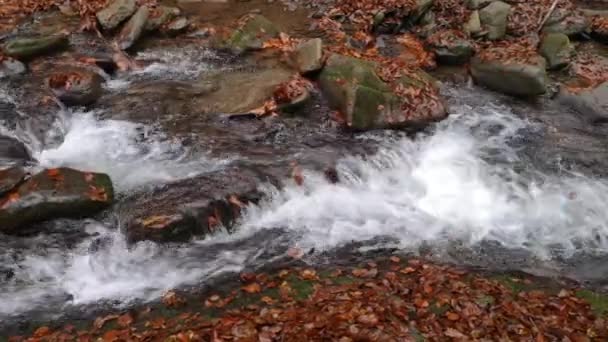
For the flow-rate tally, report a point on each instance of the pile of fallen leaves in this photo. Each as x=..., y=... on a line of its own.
x=396, y=301
x=362, y=12
x=521, y=50
x=589, y=71
x=526, y=16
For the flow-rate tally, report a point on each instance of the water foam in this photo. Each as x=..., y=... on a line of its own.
x=132, y=154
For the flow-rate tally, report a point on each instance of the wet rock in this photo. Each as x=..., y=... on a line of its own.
x=296, y=103
x=76, y=87
x=451, y=48
x=11, y=67
x=600, y=31
x=557, y=50
x=591, y=103
x=55, y=193
x=353, y=87
x=511, y=77
x=567, y=22
x=309, y=56
x=252, y=33
x=473, y=25
x=115, y=13
x=26, y=48
x=11, y=178
x=160, y=16
x=194, y=207
x=133, y=29
x=177, y=26
x=494, y=19
x=12, y=149
x=422, y=7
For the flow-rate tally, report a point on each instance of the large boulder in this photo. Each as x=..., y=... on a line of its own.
x=253, y=31
x=309, y=56
x=352, y=86
x=590, y=103
x=133, y=29
x=451, y=47
x=499, y=73
x=55, y=193
x=77, y=87
x=115, y=13
x=28, y=47
x=570, y=23
x=557, y=50
x=494, y=19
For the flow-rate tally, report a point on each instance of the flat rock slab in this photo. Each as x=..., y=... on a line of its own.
x=55, y=193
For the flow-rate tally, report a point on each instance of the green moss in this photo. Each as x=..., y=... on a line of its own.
x=514, y=284
x=598, y=301
x=302, y=289
x=252, y=34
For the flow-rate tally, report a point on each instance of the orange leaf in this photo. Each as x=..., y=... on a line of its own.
x=252, y=288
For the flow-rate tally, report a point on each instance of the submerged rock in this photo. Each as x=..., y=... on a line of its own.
x=352, y=86
x=254, y=30
x=26, y=48
x=55, y=193
x=133, y=29
x=494, y=18
x=309, y=56
x=76, y=87
x=557, y=50
x=115, y=13
x=511, y=77
x=591, y=103
x=13, y=150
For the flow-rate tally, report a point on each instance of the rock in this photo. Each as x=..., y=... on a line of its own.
x=295, y=104
x=477, y=4
x=422, y=6
x=600, y=30
x=11, y=67
x=494, y=18
x=160, y=16
x=12, y=150
x=511, y=77
x=567, y=22
x=252, y=34
x=353, y=87
x=55, y=193
x=309, y=56
x=451, y=48
x=11, y=178
x=473, y=25
x=177, y=26
x=133, y=28
x=115, y=13
x=557, y=50
x=77, y=87
x=26, y=48
x=591, y=103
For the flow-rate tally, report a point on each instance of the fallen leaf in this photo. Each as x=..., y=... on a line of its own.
x=252, y=288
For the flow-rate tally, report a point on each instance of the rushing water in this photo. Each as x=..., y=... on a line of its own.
x=465, y=180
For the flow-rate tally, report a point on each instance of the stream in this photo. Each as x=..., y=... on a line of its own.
x=493, y=185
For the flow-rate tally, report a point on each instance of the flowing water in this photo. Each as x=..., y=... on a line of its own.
x=466, y=182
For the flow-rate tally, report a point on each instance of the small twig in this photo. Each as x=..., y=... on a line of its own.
x=551, y=9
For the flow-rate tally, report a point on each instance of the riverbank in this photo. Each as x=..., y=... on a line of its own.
x=392, y=299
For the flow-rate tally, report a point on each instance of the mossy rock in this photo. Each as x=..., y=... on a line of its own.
x=26, y=48
x=509, y=77
x=557, y=50
x=252, y=34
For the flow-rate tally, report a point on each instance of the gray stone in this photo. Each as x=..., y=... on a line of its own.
x=11, y=67
x=252, y=34
x=477, y=4
x=13, y=150
x=566, y=22
x=115, y=13
x=557, y=50
x=509, y=77
x=79, y=87
x=473, y=25
x=309, y=55
x=133, y=29
x=26, y=48
x=456, y=51
x=55, y=193
x=494, y=18
x=161, y=16
x=10, y=178
x=177, y=26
